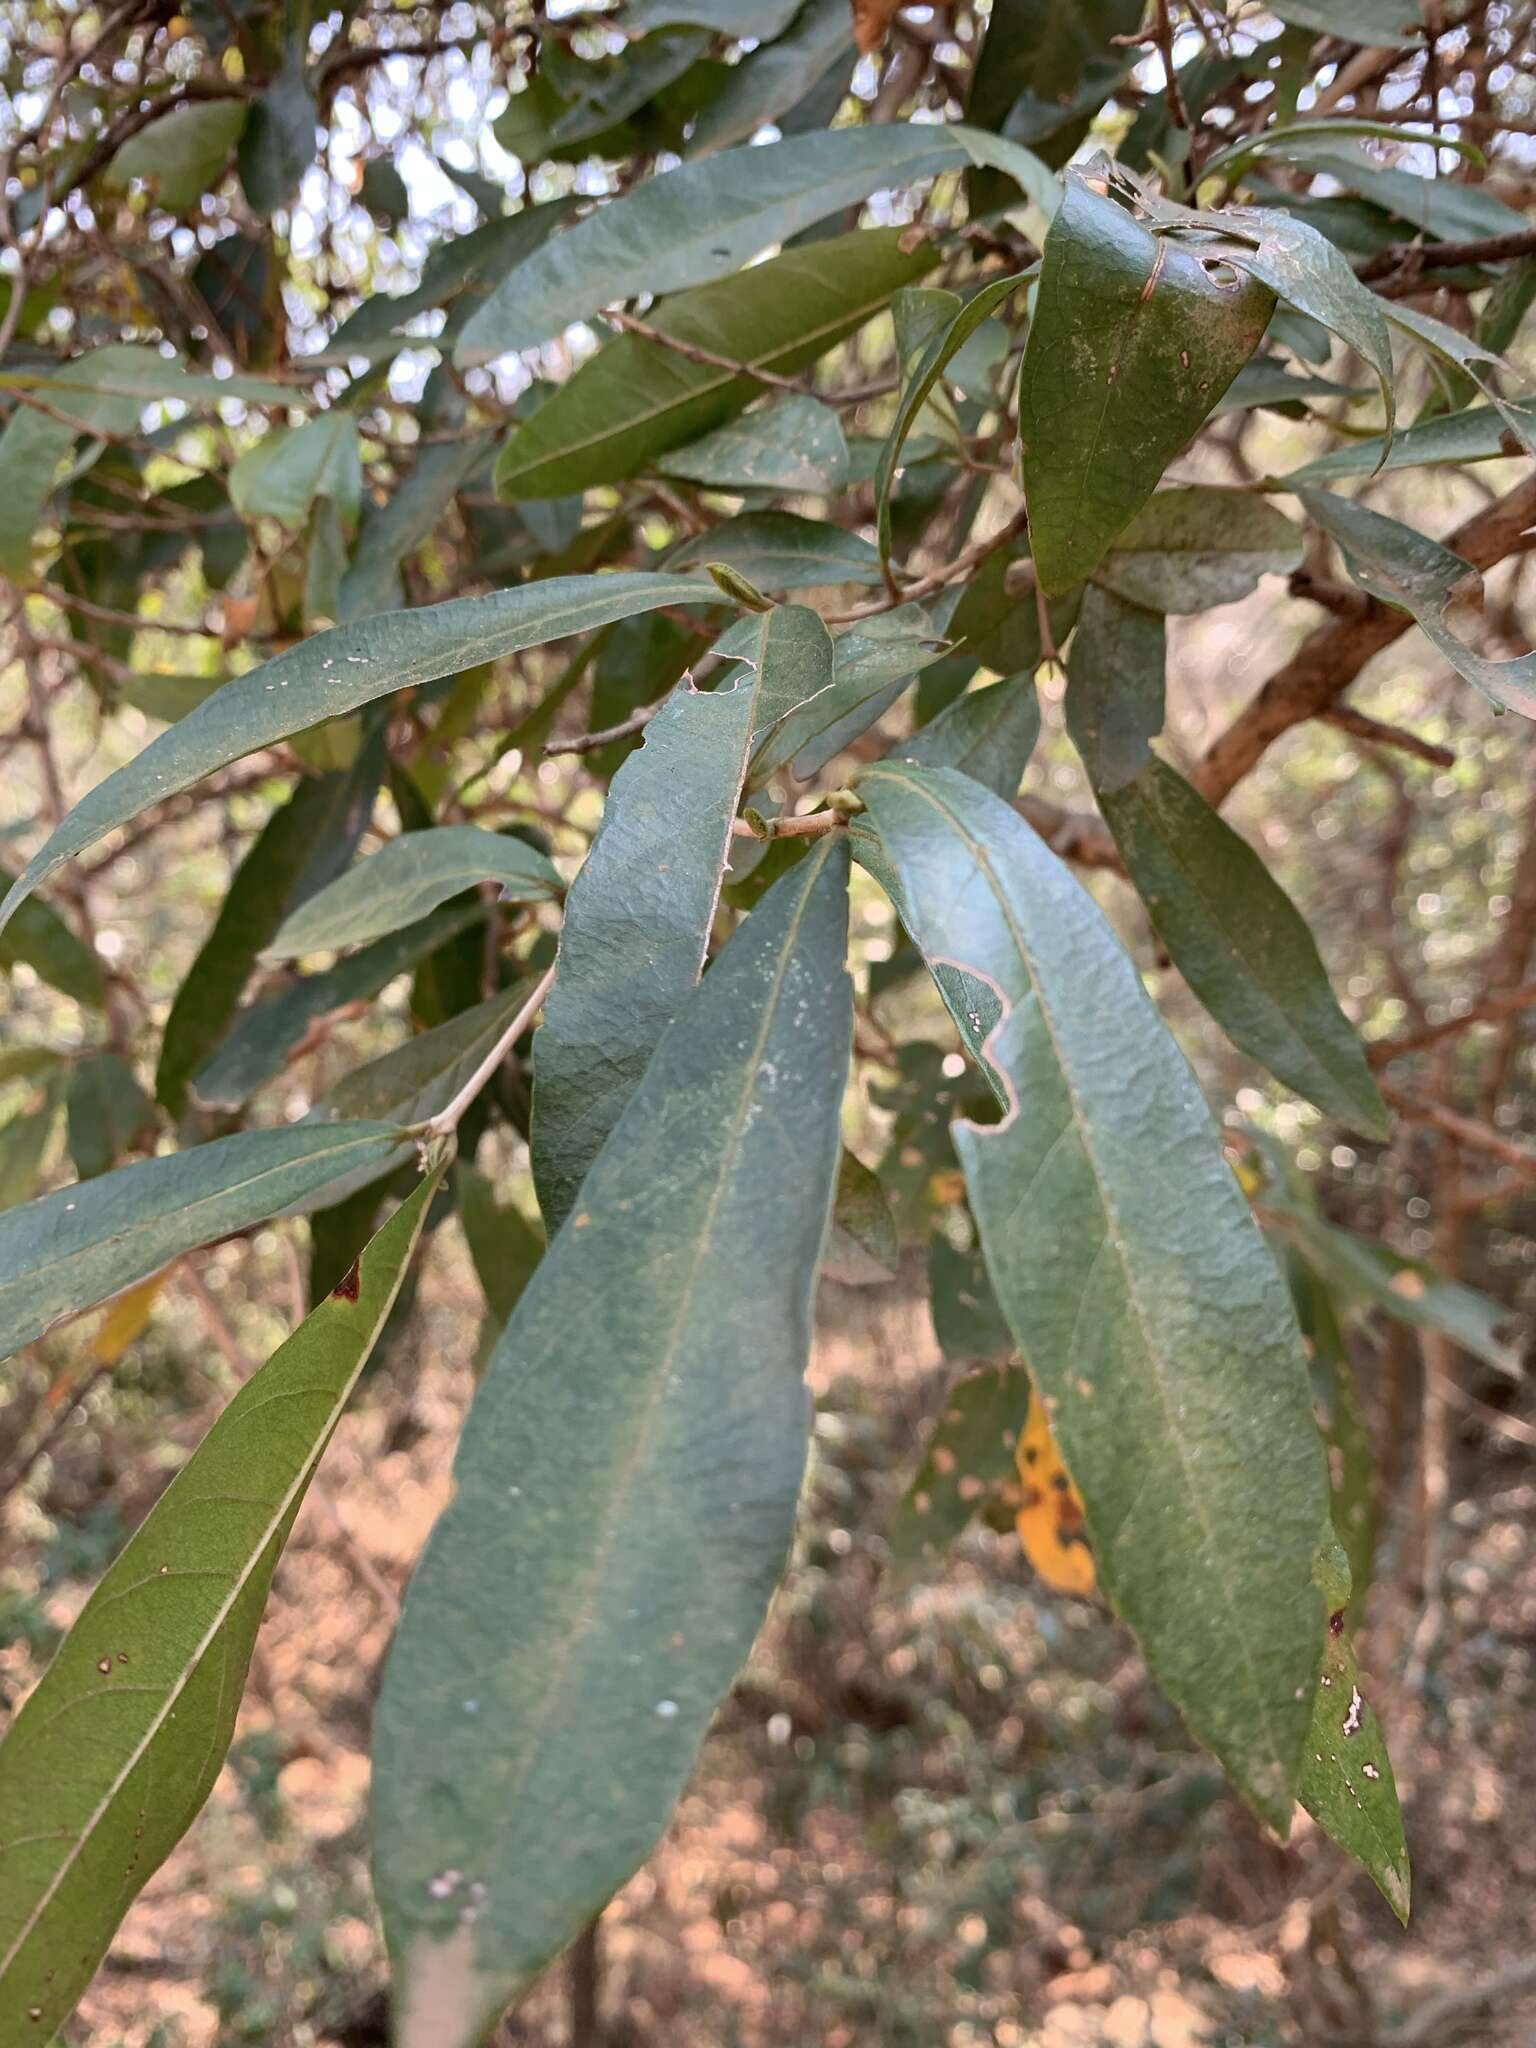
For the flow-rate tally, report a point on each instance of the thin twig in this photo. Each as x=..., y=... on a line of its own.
x=446, y=1122
x=586, y=742
x=1385, y=1050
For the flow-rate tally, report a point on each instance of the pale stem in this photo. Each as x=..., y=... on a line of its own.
x=446, y=1122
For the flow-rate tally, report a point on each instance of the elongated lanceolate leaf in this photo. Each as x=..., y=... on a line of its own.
x=111, y=1758
x=1480, y=434
x=1126, y=1260
x=795, y=444
x=1240, y=943
x=637, y=924
x=1116, y=681
x=76, y=1246
x=338, y=672
x=1194, y=547
x=1131, y=345
x=635, y=399
x=774, y=79
x=37, y=937
x=1418, y=575
x=406, y=879
x=701, y=221
x=624, y=1490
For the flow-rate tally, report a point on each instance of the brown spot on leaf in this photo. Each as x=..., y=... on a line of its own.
x=348, y=1286
x=1336, y=1623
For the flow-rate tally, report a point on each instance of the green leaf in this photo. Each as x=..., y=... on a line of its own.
x=1347, y=1783
x=76, y=1246
x=1341, y=1422
x=638, y=918
x=634, y=400
x=1155, y=1322
x=969, y=1460
x=1267, y=382
x=1310, y=143
x=181, y=156
x=760, y=19
x=781, y=551
x=1418, y=575
x=278, y=143
x=264, y=1035
x=1132, y=343
x=113, y=1755
x=338, y=672
x=289, y=468
x=1369, y=1274
x=1376, y=24
x=625, y=1487
x=109, y=1113
x=24, y=1142
x=1480, y=434
x=459, y=273
x=1197, y=546
x=936, y=354
x=1240, y=943
x=988, y=734
x=416, y=1080
x=260, y=889
x=873, y=661
x=862, y=1248
x=774, y=78
x=966, y=1318
x=1470, y=358
x=702, y=221
x=407, y=519
x=1116, y=673
x=1045, y=70
x=504, y=1246
x=794, y=444
x=37, y=937
x=408, y=877
x=1303, y=268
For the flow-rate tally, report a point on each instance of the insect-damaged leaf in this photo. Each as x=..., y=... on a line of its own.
x=334, y=673
x=1418, y=575
x=76, y=1246
x=1346, y=1778
x=407, y=879
x=624, y=1490
x=112, y=1756
x=1133, y=341
x=1240, y=943
x=1128, y=1264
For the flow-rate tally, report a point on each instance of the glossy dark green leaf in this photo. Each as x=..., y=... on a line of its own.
x=862, y=1248
x=969, y=1461
x=794, y=444
x=624, y=1490
x=1116, y=677
x=76, y=1246
x=634, y=400
x=259, y=891
x=638, y=917
x=988, y=734
x=337, y=672
x=781, y=551
x=265, y=1034
x=111, y=1758
x=37, y=937
x=1155, y=1321
x=1198, y=546
x=1240, y=943
x=1132, y=343
x=109, y=1115
x=1347, y=1783
x=404, y=880
x=1418, y=575
x=773, y=79
x=935, y=356
x=1480, y=434
x=701, y=221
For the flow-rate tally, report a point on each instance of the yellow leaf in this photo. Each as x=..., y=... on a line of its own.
x=1050, y=1522
x=126, y=1319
